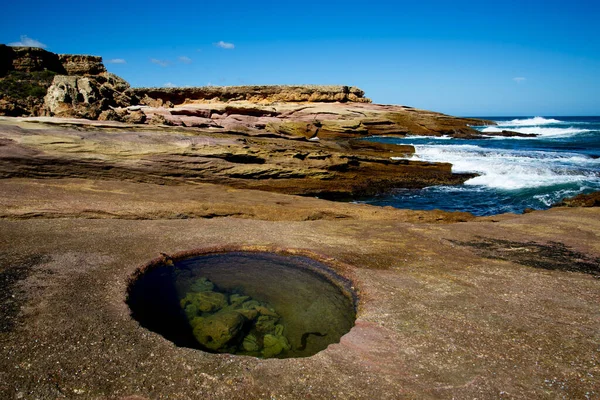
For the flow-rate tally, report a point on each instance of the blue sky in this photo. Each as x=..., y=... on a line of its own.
x=458, y=57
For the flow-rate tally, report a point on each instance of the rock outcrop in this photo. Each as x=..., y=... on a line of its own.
x=79, y=83
x=30, y=59
x=88, y=96
x=254, y=94
x=76, y=64
x=315, y=120
x=581, y=200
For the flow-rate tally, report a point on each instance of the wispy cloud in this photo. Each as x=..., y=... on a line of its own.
x=169, y=84
x=519, y=79
x=116, y=61
x=28, y=42
x=162, y=63
x=225, y=45
x=185, y=60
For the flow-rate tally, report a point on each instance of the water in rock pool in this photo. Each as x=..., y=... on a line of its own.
x=515, y=173
x=257, y=304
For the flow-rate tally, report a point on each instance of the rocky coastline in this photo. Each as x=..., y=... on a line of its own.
x=289, y=139
x=97, y=179
x=79, y=86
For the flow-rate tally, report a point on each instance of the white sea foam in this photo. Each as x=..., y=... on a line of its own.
x=535, y=121
x=512, y=169
x=541, y=131
x=417, y=137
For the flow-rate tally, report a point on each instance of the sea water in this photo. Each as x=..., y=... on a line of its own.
x=302, y=304
x=514, y=173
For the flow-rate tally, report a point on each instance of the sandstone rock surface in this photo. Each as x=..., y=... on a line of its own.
x=77, y=64
x=89, y=96
x=182, y=156
x=449, y=305
x=30, y=59
x=254, y=94
x=581, y=200
x=440, y=315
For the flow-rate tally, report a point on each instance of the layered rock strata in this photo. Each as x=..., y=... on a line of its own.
x=175, y=156
x=31, y=59
x=255, y=94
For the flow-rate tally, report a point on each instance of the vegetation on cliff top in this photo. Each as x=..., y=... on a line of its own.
x=21, y=85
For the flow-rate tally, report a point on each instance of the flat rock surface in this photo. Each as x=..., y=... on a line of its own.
x=446, y=310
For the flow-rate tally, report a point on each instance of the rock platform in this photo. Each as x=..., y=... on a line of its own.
x=449, y=305
x=446, y=309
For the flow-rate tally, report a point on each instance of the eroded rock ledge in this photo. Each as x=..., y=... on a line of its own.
x=31, y=59
x=61, y=148
x=256, y=94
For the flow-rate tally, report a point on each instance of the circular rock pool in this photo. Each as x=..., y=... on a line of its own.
x=248, y=303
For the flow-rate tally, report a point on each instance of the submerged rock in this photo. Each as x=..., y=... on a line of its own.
x=217, y=330
x=202, y=285
x=237, y=299
x=205, y=301
x=274, y=345
x=249, y=314
x=250, y=343
x=250, y=304
x=266, y=323
x=233, y=323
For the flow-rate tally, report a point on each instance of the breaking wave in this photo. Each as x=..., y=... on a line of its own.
x=513, y=175
x=513, y=169
x=535, y=121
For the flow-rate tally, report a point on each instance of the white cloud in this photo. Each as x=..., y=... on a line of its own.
x=162, y=63
x=169, y=84
x=28, y=42
x=519, y=79
x=185, y=60
x=116, y=61
x=225, y=45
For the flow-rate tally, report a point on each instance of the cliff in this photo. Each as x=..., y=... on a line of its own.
x=36, y=82
x=26, y=74
x=255, y=94
x=32, y=59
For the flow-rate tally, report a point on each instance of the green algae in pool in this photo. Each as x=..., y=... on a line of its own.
x=257, y=304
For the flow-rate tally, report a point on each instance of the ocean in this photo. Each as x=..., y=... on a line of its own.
x=515, y=173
